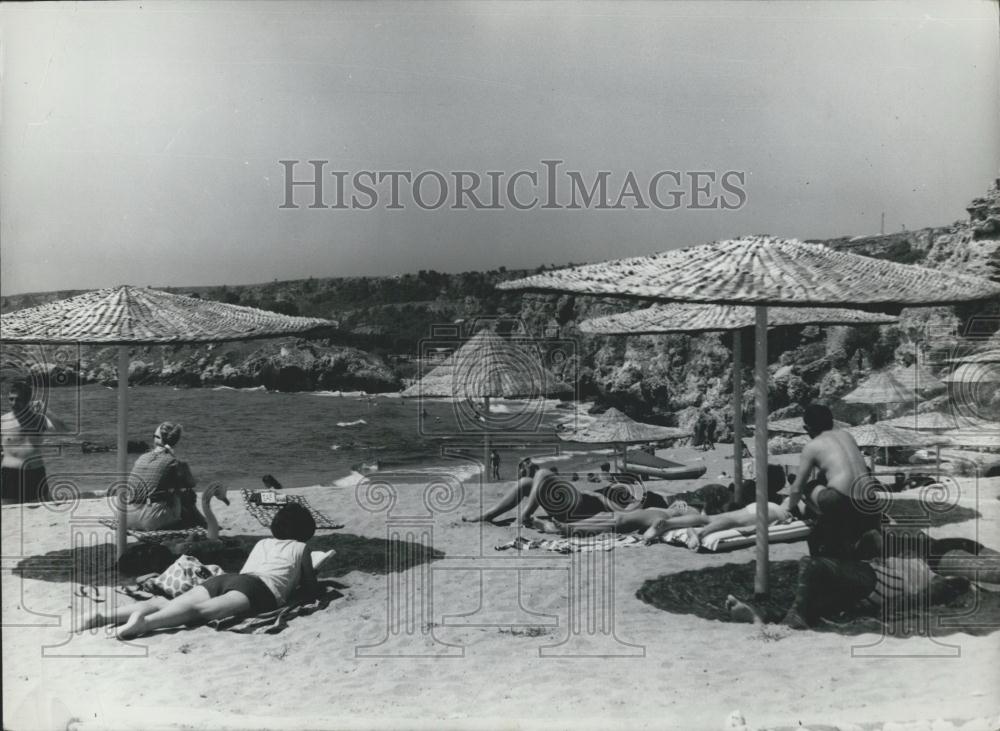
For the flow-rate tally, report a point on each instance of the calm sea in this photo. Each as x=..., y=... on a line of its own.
x=236, y=436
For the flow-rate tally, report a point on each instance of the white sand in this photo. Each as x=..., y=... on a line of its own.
x=689, y=673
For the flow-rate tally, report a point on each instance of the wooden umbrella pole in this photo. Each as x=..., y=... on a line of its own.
x=487, y=465
x=737, y=409
x=121, y=535
x=760, y=450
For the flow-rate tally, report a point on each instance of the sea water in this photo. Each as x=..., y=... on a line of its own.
x=309, y=438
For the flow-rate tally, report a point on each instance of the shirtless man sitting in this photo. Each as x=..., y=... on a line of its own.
x=22, y=471
x=833, y=473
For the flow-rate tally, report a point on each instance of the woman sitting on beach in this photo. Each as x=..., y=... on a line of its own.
x=161, y=487
x=273, y=569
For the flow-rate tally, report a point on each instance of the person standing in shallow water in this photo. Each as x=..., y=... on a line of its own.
x=495, y=465
x=22, y=471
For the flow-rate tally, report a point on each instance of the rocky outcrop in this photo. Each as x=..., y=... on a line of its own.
x=297, y=365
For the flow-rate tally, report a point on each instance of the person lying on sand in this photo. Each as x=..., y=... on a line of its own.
x=546, y=488
x=274, y=568
x=828, y=586
x=653, y=523
x=709, y=508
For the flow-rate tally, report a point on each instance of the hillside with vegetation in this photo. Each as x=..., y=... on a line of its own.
x=382, y=320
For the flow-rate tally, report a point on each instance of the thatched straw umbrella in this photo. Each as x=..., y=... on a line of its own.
x=934, y=421
x=918, y=377
x=881, y=388
x=970, y=374
x=795, y=426
x=882, y=436
x=677, y=317
x=126, y=316
x=614, y=427
x=488, y=366
x=987, y=356
x=763, y=272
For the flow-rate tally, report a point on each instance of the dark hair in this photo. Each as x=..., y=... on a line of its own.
x=21, y=386
x=605, y=466
x=532, y=469
x=293, y=522
x=818, y=418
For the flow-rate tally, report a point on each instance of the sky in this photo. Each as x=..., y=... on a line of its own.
x=140, y=143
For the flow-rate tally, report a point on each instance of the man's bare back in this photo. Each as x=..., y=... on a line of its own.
x=837, y=461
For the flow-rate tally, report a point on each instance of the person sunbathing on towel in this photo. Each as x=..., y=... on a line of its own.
x=707, y=509
x=653, y=523
x=547, y=489
x=827, y=586
x=274, y=568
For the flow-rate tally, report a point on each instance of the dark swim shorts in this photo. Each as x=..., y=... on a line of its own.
x=24, y=484
x=261, y=598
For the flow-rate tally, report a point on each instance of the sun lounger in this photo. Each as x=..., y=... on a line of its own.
x=159, y=536
x=265, y=513
x=728, y=540
x=657, y=468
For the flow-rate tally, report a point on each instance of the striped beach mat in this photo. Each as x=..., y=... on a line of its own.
x=159, y=536
x=728, y=540
x=265, y=513
x=574, y=544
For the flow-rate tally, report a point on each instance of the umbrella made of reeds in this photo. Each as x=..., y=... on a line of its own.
x=765, y=272
x=881, y=388
x=677, y=317
x=488, y=366
x=926, y=421
x=968, y=374
x=987, y=356
x=796, y=426
x=882, y=436
x=918, y=377
x=615, y=427
x=125, y=316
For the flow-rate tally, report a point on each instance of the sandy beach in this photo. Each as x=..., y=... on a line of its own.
x=488, y=660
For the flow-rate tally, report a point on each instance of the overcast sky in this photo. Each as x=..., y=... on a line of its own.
x=140, y=142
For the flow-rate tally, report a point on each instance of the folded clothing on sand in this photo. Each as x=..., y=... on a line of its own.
x=727, y=540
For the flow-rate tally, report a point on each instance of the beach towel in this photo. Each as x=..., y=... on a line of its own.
x=265, y=513
x=575, y=544
x=159, y=536
x=728, y=540
x=275, y=621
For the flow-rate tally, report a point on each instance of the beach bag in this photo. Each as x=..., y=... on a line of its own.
x=183, y=575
